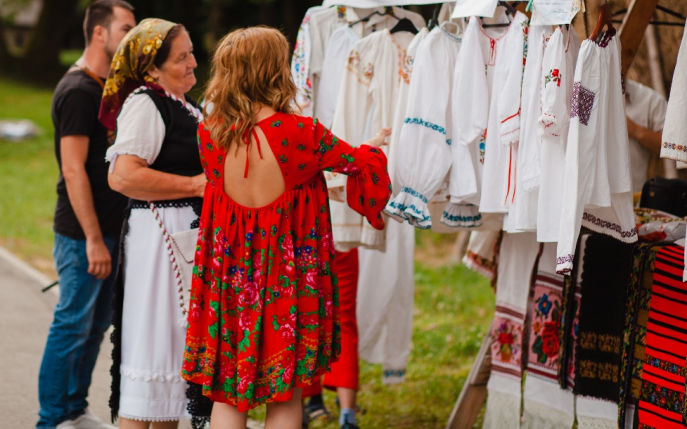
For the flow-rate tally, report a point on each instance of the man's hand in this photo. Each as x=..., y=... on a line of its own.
x=99, y=258
x=380, y=139
x=646, y=137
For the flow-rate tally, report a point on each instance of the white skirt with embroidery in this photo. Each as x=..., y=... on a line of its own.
x=153, y=341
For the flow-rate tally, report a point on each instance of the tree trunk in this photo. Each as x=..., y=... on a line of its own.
x=43, y=51
x=4, y=55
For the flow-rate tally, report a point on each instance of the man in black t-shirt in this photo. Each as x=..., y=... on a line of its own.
x=88, y=220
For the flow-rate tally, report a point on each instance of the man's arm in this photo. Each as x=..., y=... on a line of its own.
x=74, y=151
x=646, y=137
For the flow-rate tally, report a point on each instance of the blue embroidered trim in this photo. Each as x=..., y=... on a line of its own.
x=412, y=214
x=430, y=125
x=394, y=373
x=414, y=193
x=461, y=219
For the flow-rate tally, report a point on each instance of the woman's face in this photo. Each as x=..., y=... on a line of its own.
x=176, y=74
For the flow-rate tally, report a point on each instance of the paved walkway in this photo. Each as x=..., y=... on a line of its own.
x=25, y=317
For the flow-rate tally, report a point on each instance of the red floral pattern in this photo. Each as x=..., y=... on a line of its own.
x=264, y=315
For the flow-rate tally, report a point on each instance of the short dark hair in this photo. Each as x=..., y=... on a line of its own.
x=101, y=13
x=166, y=47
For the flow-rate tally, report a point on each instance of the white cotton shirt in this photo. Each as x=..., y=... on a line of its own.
x=556, y=81
x=140, y=130
x=366, y=103
x=336, y=54
x=527, y=178
x=647, y=108
x=300, y=63
x=597, y=188
x=487, y=103
x=674, y=145
x=424, y=141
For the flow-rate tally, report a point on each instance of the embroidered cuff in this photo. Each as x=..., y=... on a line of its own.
x=547, y=127
x=411, y=206
x=611, y=229
x=564, y=264
x=393, y=376
x=457, y=215
x=677, y=152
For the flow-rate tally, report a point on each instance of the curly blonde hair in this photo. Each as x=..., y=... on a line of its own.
x=250, y=67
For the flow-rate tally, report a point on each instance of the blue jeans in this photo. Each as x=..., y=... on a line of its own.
x=82, y=316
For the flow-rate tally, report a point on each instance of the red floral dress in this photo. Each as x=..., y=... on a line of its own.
x=264, y=302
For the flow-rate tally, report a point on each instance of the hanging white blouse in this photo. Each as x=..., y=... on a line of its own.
x=333, y=66
x=323, y=24
x=674, y=144
x=556, y=93
x=486, y=115
x=366, y=103
x=300, y=63
x=402, y=105
x=597, y=186
x=424, y=145
x=527, y=189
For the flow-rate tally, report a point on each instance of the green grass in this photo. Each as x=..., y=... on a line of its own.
x=28, y=174
x=453, y=306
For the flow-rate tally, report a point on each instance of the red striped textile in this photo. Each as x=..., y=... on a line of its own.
x=663, y=373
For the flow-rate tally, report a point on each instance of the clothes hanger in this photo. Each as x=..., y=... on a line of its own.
x=388, y=10
x=434, y=20
x=510, y=10
x=404, y=24
x=604, y=20
x=661, y=8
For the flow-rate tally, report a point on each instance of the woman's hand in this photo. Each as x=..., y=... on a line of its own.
x=380, y=139
x=198, y=184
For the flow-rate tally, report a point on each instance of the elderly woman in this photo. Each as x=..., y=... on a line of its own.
x=155, y=162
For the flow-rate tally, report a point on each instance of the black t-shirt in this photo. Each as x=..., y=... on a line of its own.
x=75, y=107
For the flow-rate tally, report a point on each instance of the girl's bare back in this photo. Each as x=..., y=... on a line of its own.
x=264, y=182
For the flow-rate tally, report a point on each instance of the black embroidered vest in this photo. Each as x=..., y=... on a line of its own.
x=179, y=152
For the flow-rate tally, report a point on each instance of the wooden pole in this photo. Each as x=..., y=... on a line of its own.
x=632, y=29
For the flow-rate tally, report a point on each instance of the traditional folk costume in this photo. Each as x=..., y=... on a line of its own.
x=148, y=319
x=597, y=165
x=264, y=316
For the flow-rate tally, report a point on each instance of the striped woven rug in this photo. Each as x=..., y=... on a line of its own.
x=663, y=375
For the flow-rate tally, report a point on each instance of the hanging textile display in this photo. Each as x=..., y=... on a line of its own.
x=300, y=64
x=519, y=253
x=597, y=127
x=422, y=168
x=546, y=405
x=663, y=373
x=674, y=139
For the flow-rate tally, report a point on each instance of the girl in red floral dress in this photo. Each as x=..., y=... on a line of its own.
x=264, y=319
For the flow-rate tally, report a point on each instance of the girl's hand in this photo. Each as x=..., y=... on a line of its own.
x=380, y=139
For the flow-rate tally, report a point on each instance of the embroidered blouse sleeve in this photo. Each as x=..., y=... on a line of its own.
x=424, y=148
x=368, y=187
x=140, y=130
x=553, y=96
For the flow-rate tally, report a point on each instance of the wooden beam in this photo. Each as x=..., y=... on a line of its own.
x=474, y=391
x=632, y=29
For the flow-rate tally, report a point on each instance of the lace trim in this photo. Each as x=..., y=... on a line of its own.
x=195, y=203
x=595, y=423
x=152, y=419
x=199, y=406
x=502, y=411
x=541, y=416
x=146, y=375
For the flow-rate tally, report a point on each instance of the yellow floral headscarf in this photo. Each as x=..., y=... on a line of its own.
x=130, y=65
